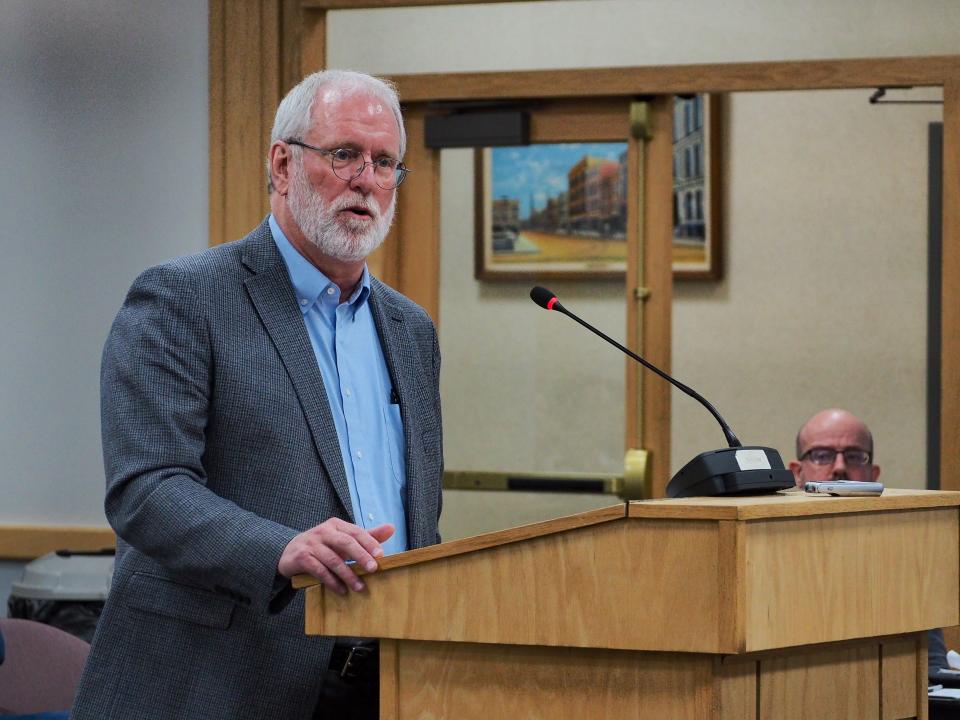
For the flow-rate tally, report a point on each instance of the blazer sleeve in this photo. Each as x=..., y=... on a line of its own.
x=156, y=377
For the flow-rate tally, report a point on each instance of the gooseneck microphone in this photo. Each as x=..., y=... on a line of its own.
x=735, y=470
x=546, y=299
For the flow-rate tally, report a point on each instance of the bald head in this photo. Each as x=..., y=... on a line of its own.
x=842, y=432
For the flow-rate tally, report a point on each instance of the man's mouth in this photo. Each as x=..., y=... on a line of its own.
x=357, y=211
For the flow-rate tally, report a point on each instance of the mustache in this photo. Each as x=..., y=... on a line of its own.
x=357, y=201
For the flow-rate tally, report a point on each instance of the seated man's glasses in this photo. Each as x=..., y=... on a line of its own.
x=855, y=457
x=348, y=163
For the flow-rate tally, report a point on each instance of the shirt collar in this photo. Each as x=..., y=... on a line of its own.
x=308, y=282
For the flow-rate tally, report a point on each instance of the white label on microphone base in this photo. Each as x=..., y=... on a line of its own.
x=752, y=460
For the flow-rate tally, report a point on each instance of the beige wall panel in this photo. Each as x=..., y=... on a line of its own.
x=810, y=685
x=861, y=552
x=612, y=33
x=466, y=682
x=823, y=302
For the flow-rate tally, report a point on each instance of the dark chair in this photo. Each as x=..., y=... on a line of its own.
x=41, y=667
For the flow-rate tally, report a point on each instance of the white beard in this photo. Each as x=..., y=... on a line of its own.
x=342, y=238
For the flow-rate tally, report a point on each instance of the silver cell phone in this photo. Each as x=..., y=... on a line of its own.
x=844, y=487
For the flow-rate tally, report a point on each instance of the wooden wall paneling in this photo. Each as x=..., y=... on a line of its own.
x=418, y=219
x=312, y=40
x=658, y=279
x=246, y=69
x=950, y=297
x=292, y=24
x=674, y=79
x=216, y=35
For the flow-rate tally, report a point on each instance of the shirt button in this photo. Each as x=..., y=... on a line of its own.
x=360, y=454
x=347, y=392
x=369, y=516
x=303, y=301
x=329, y=291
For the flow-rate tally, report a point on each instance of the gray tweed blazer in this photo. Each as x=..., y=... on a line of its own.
x=219, y=447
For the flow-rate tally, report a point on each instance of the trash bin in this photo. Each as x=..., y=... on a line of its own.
x=64, y=589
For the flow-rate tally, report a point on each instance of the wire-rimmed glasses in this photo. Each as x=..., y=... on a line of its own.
x=348, y=164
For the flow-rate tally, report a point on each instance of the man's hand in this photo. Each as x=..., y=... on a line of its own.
x=322, y=551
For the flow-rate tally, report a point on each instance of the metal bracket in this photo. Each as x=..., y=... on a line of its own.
x=641, y=293
x=640, y=120
x=636, y=476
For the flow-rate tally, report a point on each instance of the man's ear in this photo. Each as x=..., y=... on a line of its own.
x=875, y=472
x=280, y=160
x=795, y=469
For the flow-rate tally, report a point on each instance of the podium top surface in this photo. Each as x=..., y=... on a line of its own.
x=738, y=508
x=789, y=504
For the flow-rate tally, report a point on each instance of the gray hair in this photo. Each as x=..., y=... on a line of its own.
x=294, y=113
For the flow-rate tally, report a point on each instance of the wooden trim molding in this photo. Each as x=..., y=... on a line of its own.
x=27, y=542
x=673, y=79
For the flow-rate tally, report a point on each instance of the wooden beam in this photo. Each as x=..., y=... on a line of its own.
x=27, y=542
x=671, y=79
x=312, y=41
x=656, y=330
x=248, y=71
x=418, y=220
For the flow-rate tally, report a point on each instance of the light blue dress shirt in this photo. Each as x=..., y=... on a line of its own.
x=359, y=389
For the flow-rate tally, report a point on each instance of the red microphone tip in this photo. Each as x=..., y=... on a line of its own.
x=553, y=301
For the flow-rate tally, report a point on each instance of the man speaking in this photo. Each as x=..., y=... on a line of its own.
x=268, y=409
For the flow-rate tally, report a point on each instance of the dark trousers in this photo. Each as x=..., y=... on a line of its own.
x=354, y=693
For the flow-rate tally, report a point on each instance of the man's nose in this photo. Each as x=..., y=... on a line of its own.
x=365, y=181
x=839, y=466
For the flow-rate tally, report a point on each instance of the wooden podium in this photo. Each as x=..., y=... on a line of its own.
x=755, y=608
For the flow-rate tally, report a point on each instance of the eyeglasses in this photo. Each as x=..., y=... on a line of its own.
x=348, y=164
x=827, y=456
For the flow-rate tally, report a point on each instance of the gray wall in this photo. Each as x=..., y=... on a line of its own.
x=103, y=124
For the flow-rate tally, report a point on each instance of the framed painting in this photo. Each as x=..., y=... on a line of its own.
x=558, y=210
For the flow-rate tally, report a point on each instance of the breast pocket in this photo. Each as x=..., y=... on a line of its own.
x=393, y=429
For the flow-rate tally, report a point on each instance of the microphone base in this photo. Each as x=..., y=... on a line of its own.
x=753, y=470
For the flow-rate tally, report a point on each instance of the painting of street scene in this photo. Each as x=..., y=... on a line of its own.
x=550, y=210
x=695, y=196
x=560, y=210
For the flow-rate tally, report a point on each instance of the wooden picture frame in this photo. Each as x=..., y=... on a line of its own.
x=558, y=210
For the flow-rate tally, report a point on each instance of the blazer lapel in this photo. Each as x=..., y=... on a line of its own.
x=275, y=302
x=404, y=367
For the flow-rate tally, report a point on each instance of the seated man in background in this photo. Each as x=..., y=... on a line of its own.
x=835, y=444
